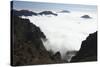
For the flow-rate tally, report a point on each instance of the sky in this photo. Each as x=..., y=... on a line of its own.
x=52, y=6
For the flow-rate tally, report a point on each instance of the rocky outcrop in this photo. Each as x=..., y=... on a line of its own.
x=88, y=50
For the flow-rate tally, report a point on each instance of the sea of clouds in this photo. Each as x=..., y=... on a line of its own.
x=66, y=31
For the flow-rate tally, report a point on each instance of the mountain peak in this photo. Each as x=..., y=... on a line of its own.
x=47, y=13
x=86, y=16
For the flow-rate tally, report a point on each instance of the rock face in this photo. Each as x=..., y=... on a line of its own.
x=88, y=50
x=47, y=13
x=86, y=16
x=26, y=44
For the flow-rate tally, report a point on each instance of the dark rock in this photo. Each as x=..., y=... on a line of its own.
x=57, y=57
x=88, y=50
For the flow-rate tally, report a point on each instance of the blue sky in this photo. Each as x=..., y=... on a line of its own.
x=52, y=6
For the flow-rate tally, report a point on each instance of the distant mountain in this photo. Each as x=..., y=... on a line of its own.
x=24, y=13
x=64, y=11
x=88, y=50
x=86, y=16
x=47, y=13
x=30, y=13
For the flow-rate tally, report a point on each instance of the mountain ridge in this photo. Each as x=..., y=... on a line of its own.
x=88, y=50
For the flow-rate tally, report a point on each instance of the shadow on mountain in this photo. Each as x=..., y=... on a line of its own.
x=88, y=50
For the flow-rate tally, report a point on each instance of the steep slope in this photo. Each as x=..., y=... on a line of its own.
x=88, y=51
x=26, y=44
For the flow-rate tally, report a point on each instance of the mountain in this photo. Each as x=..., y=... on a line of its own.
x=88, y=50
x=86, y=16
x=26, y=44
x=47, y=13
x=30, y=13
x=24, y=13
x=64, y=11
